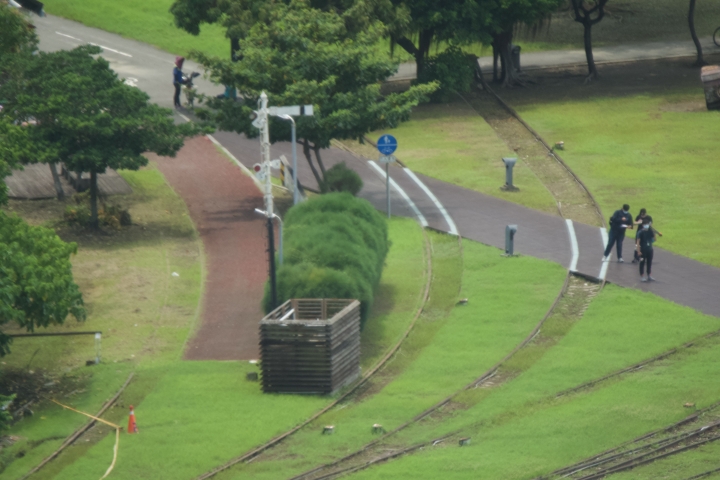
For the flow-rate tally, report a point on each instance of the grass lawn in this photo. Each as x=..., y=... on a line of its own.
x=174, y=399
x=683, y=465
x=523, y=430
x=470, y=340
x=654, y=151
x=451, y=142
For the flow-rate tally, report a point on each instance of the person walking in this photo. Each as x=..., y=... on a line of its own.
x=620, y=221
x=639, y=221
x=178, y=79
x=644, y=248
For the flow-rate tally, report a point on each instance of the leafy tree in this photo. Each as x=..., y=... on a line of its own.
x=84, y=116
x=700, y=61
x=16, y=34
x=306, y=56
x=5, y=417
x=340, y=178
x=498, y=20
x=589, y=14
x=36, y=282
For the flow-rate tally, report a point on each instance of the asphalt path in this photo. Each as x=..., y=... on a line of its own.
x=434, y=203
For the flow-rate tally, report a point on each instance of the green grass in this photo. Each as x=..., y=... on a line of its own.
x=471, y=339
x=200, y=400
x=649, y=151
x=683, y=465
x=451, y=142
x=523, y=431
x=146, y=21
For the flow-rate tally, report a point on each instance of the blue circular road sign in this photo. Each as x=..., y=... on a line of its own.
x=387, y=144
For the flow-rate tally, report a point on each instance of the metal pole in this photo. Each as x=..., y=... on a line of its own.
x=296, y=194
x=271, y=260
x=387, y=186
x=263, y=113
x=280, y=242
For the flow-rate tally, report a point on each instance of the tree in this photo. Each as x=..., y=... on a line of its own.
x=306, y=56
x=496, y=21
x=16, y=34
x=36, y=282
x=84, y=116
x=589, y=14
x=700, y=61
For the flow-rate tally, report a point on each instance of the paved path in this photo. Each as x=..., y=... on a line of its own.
x=440, y=205
x=614, y=54
x=221, y=200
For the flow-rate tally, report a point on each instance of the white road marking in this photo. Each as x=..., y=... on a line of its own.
x=131, y=81
x=604, y=267
x=111, y=49
x=573, y=245
x=448, y=219
x=232, y=157
x=95, y=44
x=421, y=217
x=68, y=36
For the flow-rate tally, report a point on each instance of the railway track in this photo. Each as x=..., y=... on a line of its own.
x=696, y=430
x=353, y=390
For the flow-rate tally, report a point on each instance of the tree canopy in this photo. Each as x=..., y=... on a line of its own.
x=82, y=114
x=36, y=282
x=308, y=56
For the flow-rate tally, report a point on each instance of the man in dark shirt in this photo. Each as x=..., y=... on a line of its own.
x=619, y=222
x=644, y=248
x=178, y=79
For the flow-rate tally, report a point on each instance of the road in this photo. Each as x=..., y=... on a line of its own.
x=434, y=203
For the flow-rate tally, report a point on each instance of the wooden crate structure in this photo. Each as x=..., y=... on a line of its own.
x=310, y=346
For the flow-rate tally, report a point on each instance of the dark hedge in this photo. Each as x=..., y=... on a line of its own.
x=335, y=247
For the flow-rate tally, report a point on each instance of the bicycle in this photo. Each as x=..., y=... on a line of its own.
x=716, y=37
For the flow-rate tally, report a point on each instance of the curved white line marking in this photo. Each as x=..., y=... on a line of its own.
x=604, y=267
x=381, y=172
x=573, y=245
x=448, y=219
x=232, y=157
x=97, y=45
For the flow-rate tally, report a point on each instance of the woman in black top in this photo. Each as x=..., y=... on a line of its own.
x=644, y=248
x=639, y=221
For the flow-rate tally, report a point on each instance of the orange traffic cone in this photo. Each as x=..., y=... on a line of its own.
x=132, y=426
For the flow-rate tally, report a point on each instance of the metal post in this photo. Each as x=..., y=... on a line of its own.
x=510, y=231
x=387, y=187
x=296, y=194
x=509, y=164
x=265, y=139
x=271, y=260
x=280, y=242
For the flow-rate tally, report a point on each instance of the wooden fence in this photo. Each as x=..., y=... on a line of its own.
x=310, y=346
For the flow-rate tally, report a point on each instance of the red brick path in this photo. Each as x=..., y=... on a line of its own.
x=221, y=200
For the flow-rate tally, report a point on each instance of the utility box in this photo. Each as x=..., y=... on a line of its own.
x=310, y=346
x=710, y=77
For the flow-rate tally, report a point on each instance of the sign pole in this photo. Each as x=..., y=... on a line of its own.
x=387, y=186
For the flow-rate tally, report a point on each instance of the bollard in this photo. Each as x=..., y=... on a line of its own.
x=509, y=164
x=510, y=231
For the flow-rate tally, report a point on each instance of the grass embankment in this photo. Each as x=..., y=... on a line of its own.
x=684, y=465
x=521, y=429
x=655, y=151
x=211, y=402
x=144, y=312
x=447, y=350
x=451, y=142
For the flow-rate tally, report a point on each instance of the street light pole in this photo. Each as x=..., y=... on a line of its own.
x=262, y=120
x=296, y=194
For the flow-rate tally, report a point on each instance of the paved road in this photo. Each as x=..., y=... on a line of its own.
x=438, y=204
x=566, y=58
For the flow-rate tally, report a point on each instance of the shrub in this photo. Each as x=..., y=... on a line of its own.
x=335, y=247
x=340, y=178
x=454, y=70
x=113, y=216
